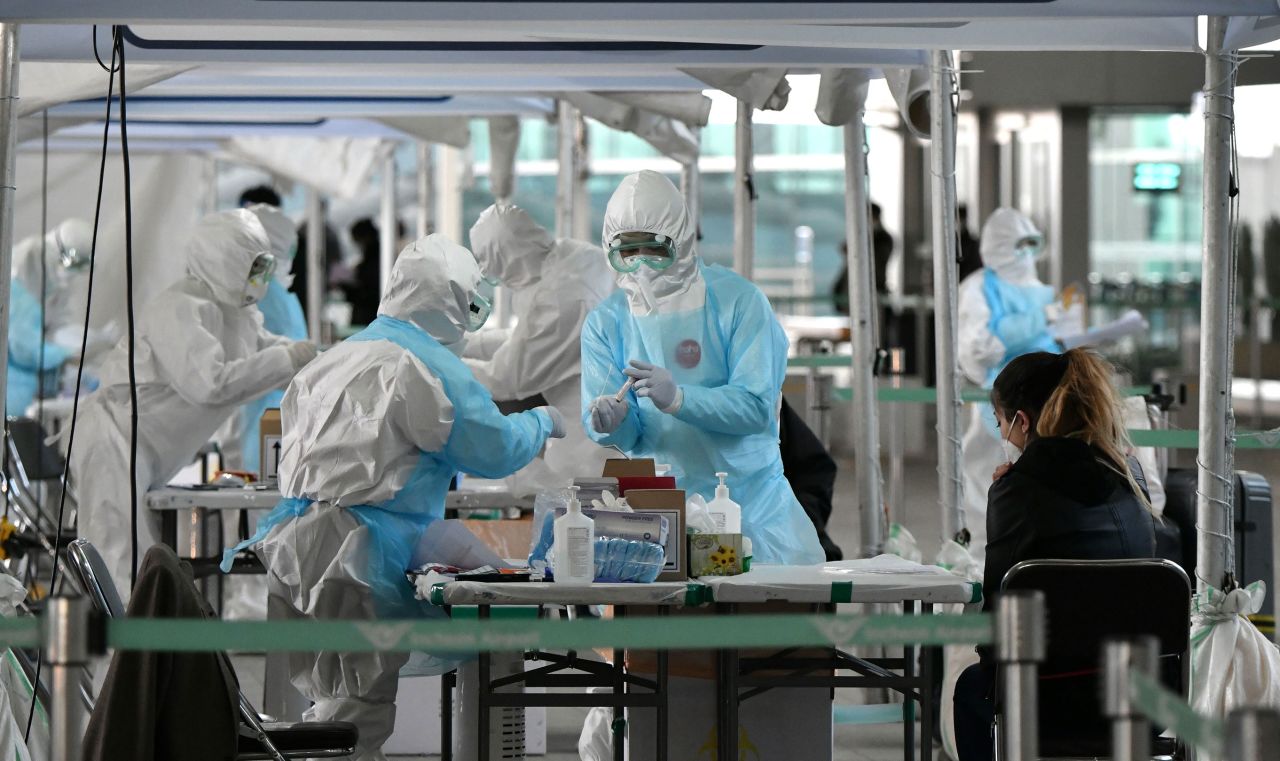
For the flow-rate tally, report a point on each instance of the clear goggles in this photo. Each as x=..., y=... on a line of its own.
x=481, y=304
x=70, y=257
x=630, y=250
x=260, y=272
x=1030, y=246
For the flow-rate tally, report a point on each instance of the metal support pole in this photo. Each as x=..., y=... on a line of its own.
x=1020, y=647
x=744, y=195
x=862, y=305
x=942, y=158
x=426, y=190
x=897, y=470
x=66, y=642
x=691, y=187
x=315, y=264
x=581, y=174
x=8, y=177
x=1253, y=734
x=387, y=223
x=1215, y=492
x=566, y=179
x=1130, y=730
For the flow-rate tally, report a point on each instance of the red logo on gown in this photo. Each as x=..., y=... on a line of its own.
x=688, y=354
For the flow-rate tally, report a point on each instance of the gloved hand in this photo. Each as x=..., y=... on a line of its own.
x=300, y=353
x=1053, y=312
x=557, y=421
x=607, y=413
x=657, y=384
x=1017, y=330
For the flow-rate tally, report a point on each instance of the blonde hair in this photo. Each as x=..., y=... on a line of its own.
x=1071, y=395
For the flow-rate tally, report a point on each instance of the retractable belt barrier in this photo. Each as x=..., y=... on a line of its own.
x=1167, y=709
x=651, y=633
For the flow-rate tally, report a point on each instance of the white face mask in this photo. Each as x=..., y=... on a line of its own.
x=1011, y=451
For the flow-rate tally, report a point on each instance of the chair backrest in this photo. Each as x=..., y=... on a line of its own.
x=1088, y=601
x=95, y=578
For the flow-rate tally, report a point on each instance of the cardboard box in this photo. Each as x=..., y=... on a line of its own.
x=668, y=503
x=639, y=467
x=269, y=432
x=715, y=555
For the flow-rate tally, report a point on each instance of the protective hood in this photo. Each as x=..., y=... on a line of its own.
x=283, y=238
x=222, y=250
x=432, y=285
x=1001, y=234
x=510, y=246
x=648, y=202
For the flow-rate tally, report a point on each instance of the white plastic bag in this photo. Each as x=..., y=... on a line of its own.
x=956, y=658
x=902, y=543
x=1233, y=664
x=697, y=518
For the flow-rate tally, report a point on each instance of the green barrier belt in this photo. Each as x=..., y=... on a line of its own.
x=927, y=395
x=20, y=632
x=1168, y=710
x=1190, y=439
x=692, y=633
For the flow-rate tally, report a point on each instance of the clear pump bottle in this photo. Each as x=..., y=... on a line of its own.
x=575, y=545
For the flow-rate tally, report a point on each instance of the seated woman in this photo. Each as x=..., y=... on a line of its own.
x=1068, y=490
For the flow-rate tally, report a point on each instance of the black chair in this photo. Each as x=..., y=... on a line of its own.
x=1087, y=602
x=259, y=740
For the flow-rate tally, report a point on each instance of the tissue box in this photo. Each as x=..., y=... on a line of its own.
x=715, y=554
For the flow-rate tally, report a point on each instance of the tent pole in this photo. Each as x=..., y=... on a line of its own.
x=315, y=263
x=387, y=223
x=691, y=185
x=8, y=177
x=566, y=179
x=426, y=190
x=744, y=209
x=942, y=159
x=862, y=307
x=1215, y=489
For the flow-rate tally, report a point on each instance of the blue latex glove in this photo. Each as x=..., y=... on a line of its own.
x=557, y=421
x=657, y=384
x=607, y=413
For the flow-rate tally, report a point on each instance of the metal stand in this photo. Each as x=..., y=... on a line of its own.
x=897, y=497
x=315, y=265
x=1130, y=730
x=387, y=223
x=566, y=179
x=1020, y=647
x=66, y=643
x=1253, y=734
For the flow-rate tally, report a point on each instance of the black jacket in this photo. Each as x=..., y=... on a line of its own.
x=811, y=472
x=1061, y=501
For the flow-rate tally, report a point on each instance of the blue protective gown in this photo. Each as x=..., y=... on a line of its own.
x=282, y=315
x=1017, y=319
x=729, y=358
x=24, y=376
x=482, y=442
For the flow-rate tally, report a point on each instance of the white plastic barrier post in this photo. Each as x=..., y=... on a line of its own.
x=1020, y=647
x=8, y=174
x=1130, y=730
x=1253, y=734
x=1215, y=487
x=942, y=159
x=744, y=204
x=66, y=643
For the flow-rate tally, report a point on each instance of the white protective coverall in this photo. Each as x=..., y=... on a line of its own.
x=374, y=431
x=556, y=283
x=201, y=353
x=1001, y=315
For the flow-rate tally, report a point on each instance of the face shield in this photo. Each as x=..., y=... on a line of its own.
x=628, y=251
x=260, y=272
x=481, y=304
x=72, y=257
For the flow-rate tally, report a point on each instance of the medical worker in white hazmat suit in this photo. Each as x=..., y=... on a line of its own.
x=374, y=431
x=201, y=353
x=708, y=358
x=556, y=283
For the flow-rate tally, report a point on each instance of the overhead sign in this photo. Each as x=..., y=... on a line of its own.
x=1157, y=176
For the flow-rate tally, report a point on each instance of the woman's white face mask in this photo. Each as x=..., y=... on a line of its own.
x=1011, y=451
